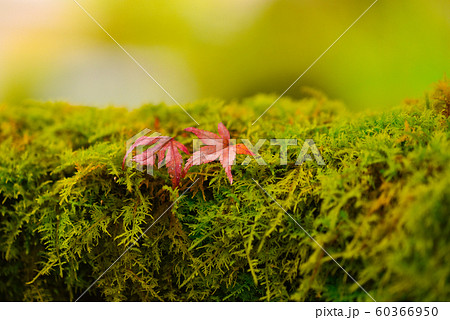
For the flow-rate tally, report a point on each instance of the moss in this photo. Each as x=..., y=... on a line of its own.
x=379, y=206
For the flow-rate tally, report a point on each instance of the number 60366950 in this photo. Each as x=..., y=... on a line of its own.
x=406, y=311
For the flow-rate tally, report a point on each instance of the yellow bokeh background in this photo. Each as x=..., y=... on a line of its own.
x=228, y=49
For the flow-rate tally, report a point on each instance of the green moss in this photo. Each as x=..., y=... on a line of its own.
x=380, y=205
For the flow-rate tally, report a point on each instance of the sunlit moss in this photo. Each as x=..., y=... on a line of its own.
x=379, y=206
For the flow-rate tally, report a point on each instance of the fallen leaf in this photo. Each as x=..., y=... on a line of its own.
x=218, y=148
x=168, y=151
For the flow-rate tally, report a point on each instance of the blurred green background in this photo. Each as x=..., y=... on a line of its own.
x=51, y=50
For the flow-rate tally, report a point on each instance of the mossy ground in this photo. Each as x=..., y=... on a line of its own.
x=380, y=206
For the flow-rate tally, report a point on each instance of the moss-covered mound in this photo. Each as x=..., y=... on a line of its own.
x=380, y=206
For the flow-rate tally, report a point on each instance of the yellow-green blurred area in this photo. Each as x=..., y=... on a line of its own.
x=228, y=49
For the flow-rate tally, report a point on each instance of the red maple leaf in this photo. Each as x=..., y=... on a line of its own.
x=168, y=151
x=217, y=147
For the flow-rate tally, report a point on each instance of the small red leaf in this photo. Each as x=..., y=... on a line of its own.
x=218, y=148
x=148, y=156
x=168, y=151
x=142, y=141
